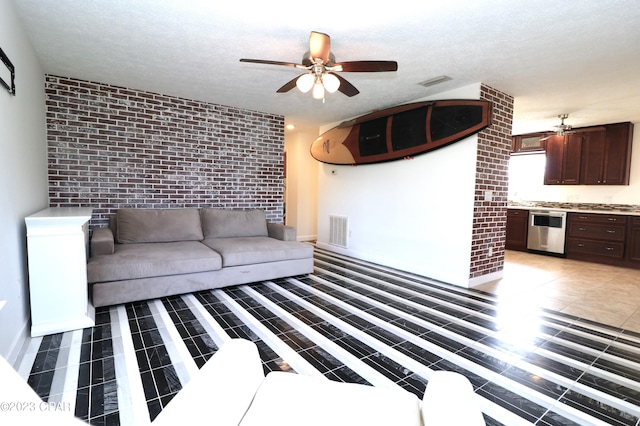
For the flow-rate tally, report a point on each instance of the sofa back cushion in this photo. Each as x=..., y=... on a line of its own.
x=158, y=225
x=217, y=223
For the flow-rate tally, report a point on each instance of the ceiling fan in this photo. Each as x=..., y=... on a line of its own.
x=561, y=129
x=322, y=68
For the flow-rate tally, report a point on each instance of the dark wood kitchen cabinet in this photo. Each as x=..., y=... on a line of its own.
x=563, y=155
x=596, y=237
x=597, y=155
x=606, y=154
x=633, y=236
x=525, y=144
x=517, y=227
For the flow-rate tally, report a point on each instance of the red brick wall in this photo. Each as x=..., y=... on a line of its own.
x=490, y=217
x=111, y=147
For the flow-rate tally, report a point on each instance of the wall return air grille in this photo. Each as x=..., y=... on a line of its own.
x=338, y=228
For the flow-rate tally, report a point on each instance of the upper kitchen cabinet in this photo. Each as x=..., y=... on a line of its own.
x=563, y=160
x=598, y=155
x=524, y=144
x=593, y=155
x=606, y=155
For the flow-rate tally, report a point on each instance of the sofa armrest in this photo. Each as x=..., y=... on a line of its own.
x=449, y=399
x=281, y=232
x=221, y=392
x=102, y=241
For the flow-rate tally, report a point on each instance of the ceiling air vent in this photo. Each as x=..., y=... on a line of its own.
x=435, y=80
x=338, y=226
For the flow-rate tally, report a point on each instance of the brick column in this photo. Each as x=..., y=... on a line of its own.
x=489, y=218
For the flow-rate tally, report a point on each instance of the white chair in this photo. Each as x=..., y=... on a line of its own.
x=231, y=389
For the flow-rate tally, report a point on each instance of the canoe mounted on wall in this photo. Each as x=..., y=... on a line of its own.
x=401, y=131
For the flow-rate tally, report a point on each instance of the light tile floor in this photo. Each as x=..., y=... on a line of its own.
x=601, y=293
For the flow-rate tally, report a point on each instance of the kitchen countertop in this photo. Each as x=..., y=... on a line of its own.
x=628, y=210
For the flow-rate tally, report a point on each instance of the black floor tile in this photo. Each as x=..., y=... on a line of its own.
x=513, y=402
x=565, y=370
x=598, y=409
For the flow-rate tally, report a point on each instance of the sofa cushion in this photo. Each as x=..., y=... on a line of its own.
x=217, y=223
x=158, y=225
x=250, y=250
x=131, y=261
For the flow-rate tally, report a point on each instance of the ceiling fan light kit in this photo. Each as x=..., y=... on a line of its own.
x=321, y=66
x=330, y=82
x=305, y=82
x=562, y=128
x=318, y=90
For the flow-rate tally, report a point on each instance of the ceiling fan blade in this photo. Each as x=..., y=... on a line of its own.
x=319, y=46
x=288, y=86
x=346, y=87
x=367, y=66
x=262, y=61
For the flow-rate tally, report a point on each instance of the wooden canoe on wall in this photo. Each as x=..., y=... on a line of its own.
x=401, y=131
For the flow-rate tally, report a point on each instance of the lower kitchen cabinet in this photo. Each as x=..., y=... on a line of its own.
x=633, y=247
x=596, y=238
x=612, y=239
x=517, y=226
x=580, y=248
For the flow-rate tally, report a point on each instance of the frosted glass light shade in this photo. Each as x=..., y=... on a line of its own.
x=318, y=90
x=305, y=82
x=331, y=82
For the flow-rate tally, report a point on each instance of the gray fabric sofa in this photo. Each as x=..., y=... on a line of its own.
x=150, y=253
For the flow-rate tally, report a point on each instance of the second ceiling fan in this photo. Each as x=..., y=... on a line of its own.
x=561, y=129
x=322, y=68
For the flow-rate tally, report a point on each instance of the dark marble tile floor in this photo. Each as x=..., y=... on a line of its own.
x=351, y=321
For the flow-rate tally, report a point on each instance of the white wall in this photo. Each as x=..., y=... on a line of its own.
x=526, y=176
x=301, y=183
x=415, y=215
x=23, y=175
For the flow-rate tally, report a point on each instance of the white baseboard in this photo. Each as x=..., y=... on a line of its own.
x=483, y=279
x=16, y=352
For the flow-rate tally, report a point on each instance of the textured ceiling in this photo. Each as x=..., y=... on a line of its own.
x=577, y=57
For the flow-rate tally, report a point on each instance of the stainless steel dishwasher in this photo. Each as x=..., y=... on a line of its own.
x=547, y=229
